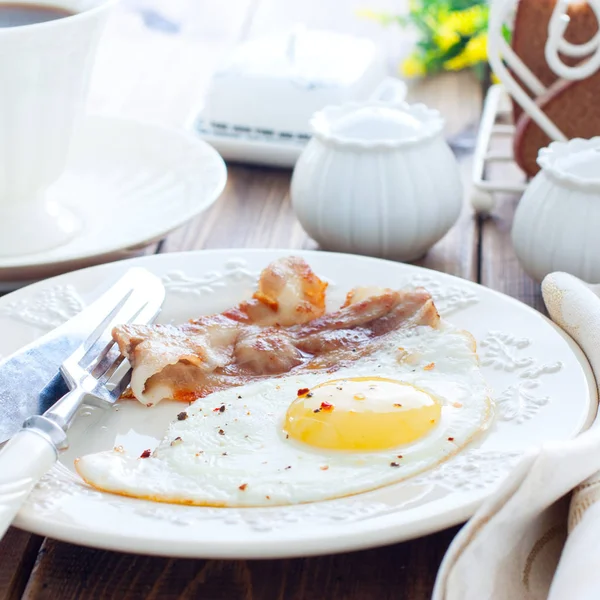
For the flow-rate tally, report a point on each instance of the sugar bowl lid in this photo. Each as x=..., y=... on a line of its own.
x=376, y=124
x=575, y=163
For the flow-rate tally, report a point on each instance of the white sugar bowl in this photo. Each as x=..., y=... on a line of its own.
x=557, y=223
x=377, y=178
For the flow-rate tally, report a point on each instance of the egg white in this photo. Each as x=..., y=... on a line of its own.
x=251, y=463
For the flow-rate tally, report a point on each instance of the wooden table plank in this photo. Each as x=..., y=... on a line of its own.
x=18, y=552
x=403, y=571
x=500, y=268
x=253, y=212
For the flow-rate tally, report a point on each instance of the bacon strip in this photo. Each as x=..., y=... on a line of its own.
x=283, y=330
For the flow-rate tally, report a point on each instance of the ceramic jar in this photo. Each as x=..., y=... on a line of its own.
x=557, y=223
x=377, y=178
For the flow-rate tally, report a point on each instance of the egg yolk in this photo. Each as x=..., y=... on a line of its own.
x=361, y=413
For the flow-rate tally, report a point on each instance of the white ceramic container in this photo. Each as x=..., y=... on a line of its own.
x=272, y=85
x=377, y=178
x=557, y=223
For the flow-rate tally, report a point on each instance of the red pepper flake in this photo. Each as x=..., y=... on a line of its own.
x=326, y=406
x=398, y=405
x=303, y=391
x=243, y=486
x=429, y=366
x=394, y=464
x=268, y=497
x=216, y=409
x=450, y=439
x=221, y=432
x=324, y=467
x=182, y=416
x=145, y=454
x=399, y=455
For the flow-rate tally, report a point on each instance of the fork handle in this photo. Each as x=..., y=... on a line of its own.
x=23, y=461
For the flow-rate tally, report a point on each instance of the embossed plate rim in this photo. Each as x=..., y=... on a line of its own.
x=161, y=535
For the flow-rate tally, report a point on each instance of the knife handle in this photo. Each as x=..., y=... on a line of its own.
x=23, y=461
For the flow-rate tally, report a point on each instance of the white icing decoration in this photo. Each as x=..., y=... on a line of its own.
x=47, y=309
x=501, y=351
x=472, y=470
x=235, y=271
x=536, y=370
x=518, y=402
x=447, y=298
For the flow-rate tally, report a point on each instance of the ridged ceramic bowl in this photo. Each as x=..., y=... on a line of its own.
x=556, y=224
x=377, y=178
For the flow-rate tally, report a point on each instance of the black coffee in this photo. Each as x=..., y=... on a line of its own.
x=15, y=14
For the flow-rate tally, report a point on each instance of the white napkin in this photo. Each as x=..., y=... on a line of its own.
x=514, y=546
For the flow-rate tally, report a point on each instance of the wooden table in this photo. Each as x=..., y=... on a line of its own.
x=161, y=77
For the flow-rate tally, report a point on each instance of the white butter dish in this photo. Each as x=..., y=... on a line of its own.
x=259, y=104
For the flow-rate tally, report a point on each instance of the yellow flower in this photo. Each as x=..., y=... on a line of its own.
x=467, y=22
x=412, y=66
x=474, y=52
x=445, y=38
x=452, y=26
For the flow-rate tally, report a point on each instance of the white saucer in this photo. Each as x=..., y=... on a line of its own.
x=130, y=183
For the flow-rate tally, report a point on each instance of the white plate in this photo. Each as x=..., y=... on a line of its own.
x=543, y=386
x=131, y=183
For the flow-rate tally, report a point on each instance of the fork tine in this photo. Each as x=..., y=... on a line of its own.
x=104, y=372
x=105, y=377
x=102, y=360
x=99, y=330
x=96, y=352
x=121, y=386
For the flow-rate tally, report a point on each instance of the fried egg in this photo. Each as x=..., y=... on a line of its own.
x=413, y=403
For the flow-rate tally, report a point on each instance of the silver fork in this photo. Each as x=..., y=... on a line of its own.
x=96, y=372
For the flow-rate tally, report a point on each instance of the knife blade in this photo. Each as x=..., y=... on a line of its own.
x=30, y=380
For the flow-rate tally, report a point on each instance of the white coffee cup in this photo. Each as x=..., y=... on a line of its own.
x=44, y=74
